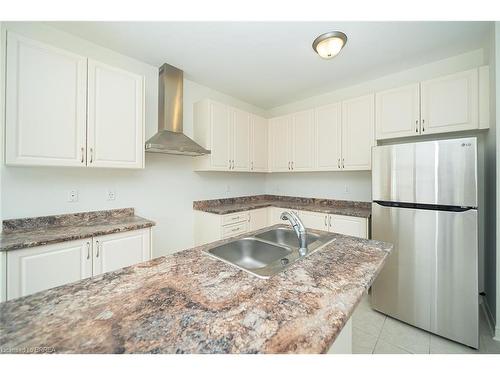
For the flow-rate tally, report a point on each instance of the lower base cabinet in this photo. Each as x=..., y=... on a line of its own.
x=343, y=342
x=210, y=227
x=39, y=268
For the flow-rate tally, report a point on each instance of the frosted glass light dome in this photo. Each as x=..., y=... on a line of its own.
x=329, y=45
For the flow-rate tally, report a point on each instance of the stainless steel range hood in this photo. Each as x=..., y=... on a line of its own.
x=170, y=139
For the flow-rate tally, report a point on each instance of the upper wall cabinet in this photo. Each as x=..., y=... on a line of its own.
x=292, y=142
x=115, y=117
x=398, y=112
x=258, y=143
x=48, y=104
x=280, y=134
x=358, y=121
x=452, y=103
x=329, y=137
x=45, y=104
x=237, y=139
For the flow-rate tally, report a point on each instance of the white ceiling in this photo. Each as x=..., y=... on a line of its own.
x=272, y=63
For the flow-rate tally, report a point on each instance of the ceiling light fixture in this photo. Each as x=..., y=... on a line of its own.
x=328, y=45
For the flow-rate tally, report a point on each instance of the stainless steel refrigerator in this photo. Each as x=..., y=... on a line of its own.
x=425, y=203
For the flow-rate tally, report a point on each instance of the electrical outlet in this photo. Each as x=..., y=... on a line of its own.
x=111, y=195
x=73, y=196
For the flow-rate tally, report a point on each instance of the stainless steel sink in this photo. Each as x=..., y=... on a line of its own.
x=286, y=236
x=250, y=253
x=267, y=253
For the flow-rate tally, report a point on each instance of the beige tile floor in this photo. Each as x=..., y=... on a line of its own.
x=377, y=333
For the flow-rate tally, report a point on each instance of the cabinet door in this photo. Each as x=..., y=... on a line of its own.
x=45, y=104
x=349, y=225
x=259, y=145
x=358, y=121
x=39, y=268
x=274, y=214
x=119, y=250
x=279, y=145
x=329, y=137
x=302, y=145
x=257, y=219
x=115, y=117
x=220, y=136
x=398, y=112
x=450, y=103
x=240, y=129
x=314, y=220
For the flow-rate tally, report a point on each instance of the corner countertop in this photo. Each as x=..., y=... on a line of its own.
x=189, y=302
x=328, y=206
x=44, y=230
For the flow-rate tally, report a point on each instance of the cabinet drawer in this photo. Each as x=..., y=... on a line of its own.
x=234, y=230
x=237, y=217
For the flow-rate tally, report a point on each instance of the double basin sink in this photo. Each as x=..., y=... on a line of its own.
x=268, y=253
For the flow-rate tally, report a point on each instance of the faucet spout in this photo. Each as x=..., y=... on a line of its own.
x=299, y=229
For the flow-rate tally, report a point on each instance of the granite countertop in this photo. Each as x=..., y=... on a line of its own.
x=189, y=302
x=328, y=206
x=44, y=230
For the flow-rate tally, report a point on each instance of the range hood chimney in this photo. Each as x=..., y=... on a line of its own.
x=170, y=139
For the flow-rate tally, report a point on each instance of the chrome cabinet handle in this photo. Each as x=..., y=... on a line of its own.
x=82, y=150
x=326, y=223
x=292, y=165
x=252, y=165
x=97, y=252
x=229, y=164
x=423, y=122
x=288, y=165
x=330, y=222
x=343, y=165
x=88, y=250
x=338, y=163
x=91, y=155
x=416, y=126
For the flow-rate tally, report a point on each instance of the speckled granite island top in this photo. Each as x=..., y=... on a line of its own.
x=44, y=230
x=189, y=302
x=328, y=206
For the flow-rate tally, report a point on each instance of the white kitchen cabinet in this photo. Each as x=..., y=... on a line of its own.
x=240, y=140
x=343, y=342
x=398, y=112
x=115, y=128
x=45, y=104
x=227, y=133
x=118, y=250
x=302, y=141
x=329, y=137
x=274, y=215
x=279, y=144
x=257, y=219
x=349, y=225
x=258, y=144
x=358, y=120
x=38, y=268
x=450, y=103
x=314, y=220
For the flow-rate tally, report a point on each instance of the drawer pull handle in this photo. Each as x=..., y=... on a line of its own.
x=97, y=252
x=88, y=250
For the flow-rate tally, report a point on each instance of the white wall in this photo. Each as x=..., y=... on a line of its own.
x=163, y=192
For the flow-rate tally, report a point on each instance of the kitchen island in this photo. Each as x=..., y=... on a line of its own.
x=189, y=302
